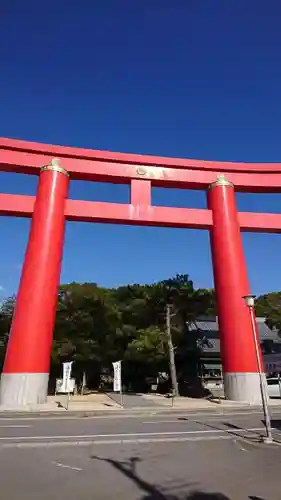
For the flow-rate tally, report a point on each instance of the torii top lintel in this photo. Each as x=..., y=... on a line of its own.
x=28, y=157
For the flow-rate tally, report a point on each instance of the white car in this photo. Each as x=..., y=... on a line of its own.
x=273, y=388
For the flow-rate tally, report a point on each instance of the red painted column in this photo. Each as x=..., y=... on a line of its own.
x=241, y=378
x=25, y=374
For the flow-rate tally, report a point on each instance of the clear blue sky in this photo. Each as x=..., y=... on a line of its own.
x=187, y=78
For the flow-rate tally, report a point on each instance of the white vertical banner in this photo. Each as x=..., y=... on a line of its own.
x=117, y=384
x=66, y=376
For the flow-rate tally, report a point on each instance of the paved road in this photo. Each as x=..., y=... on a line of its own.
x=144, y=457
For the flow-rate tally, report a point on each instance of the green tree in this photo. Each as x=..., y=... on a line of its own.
x=269, y=306
x=95, y=326
x=6, y=315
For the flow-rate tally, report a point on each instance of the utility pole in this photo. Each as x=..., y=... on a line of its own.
x=173, y=370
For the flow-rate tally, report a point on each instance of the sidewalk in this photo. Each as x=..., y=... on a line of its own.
x=103, y=404
x=200, y=404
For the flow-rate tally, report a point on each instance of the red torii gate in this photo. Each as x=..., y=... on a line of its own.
x=25, y=374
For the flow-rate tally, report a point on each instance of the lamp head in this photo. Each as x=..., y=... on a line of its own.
x=249, y=300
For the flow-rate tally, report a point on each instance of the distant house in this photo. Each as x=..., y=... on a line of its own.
x=209, y=341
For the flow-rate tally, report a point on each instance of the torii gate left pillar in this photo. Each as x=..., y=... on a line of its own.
x=25, y=375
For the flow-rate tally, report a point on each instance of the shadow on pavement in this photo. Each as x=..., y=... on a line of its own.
x=196, y=495
x=153, y=492
x=236, y=431
x=275, y=423
x=254, y=435
x=276, y=428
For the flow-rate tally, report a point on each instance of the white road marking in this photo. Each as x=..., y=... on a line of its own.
x=179, y=421
x=133, y=434
x=238, y=444
x=66, y=466
x=64, y=444
x=15, y=426
x=243, y=449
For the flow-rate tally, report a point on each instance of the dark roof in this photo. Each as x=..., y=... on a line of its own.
x=209, y=329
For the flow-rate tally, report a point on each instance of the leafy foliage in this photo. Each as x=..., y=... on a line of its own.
x=95, y=326
x=269, y=306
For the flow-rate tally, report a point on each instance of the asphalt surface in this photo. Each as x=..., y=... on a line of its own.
x=192, y=457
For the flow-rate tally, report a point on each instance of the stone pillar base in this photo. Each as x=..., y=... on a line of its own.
x=243, y=387
x=19, y=390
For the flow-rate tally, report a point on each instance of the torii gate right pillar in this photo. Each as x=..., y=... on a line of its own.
x=241, y=376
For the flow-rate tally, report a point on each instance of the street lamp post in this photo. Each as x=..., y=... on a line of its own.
x=250, y=303
x=173, y=369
